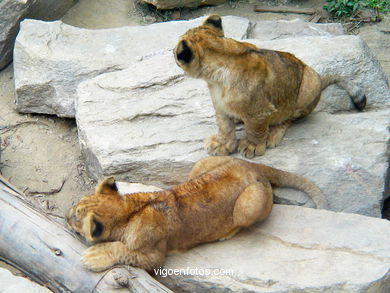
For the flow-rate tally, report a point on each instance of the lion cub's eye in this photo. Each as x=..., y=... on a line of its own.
x=98, y=229
x=79, y=212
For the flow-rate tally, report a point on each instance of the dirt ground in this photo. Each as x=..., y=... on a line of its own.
x=41, y=153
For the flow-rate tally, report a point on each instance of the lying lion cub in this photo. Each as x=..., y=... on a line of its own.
x=222, y=196
x=265, y=89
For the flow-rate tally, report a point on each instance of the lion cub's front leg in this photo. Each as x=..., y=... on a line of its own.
x=225, y=141
x=102, y=256
x=255, y=142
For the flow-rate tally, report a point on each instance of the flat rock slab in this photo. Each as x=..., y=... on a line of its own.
x=296, y=249
x=147, y=124
x=52, y=58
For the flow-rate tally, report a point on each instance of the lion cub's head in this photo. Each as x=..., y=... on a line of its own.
x=97, y=216
x=189, y=51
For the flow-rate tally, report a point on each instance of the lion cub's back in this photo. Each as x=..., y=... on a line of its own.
x=205, y=204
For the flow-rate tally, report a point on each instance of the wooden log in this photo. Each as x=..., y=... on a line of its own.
x=49, y=254
x=284, y=9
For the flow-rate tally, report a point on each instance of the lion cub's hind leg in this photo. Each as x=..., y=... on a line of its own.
x=253, y=204
x=309, y=93
x=276, y=133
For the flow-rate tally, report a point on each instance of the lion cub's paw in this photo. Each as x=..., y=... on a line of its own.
x=96, y=258
x=249, y=149
x=274, y=139
x=276, y=134
x=218, y=147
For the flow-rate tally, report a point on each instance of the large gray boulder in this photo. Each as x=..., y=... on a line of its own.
x=52, y=58
x=11, y=13
x=147, y=124
x=10, y=283
x=170, y=4
x=295, y=250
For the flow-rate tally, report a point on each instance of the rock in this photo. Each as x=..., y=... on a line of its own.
x=295, y=250
x=297, y=28
x=10, y=283
x=11, y=13
x=170, y=4
x=52, y=58
x=344, y=154
x=148, y=121
x=345, y=55
x=147, y=124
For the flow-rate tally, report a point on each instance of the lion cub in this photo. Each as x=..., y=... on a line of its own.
x=265, y=89
x=222, y=196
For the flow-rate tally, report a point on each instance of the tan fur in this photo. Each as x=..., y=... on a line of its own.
x=222, y=196
x=265, y=89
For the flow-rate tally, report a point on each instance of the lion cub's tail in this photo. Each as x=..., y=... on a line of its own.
x=281, y=178
x=357, y=96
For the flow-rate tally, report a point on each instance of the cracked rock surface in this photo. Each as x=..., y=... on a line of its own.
x=147, y=124
x=296, y=249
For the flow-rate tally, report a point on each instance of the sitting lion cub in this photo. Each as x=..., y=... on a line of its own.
x=222, y=196
x=265, y=89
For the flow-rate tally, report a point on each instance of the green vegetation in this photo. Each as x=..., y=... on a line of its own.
x=350, y=8
x=340, y=8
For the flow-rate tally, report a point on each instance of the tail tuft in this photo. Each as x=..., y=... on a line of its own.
x=359, y=100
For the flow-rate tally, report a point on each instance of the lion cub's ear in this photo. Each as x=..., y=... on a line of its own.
x=108, y=185
x=184, y=53
x=92, y=228
x=214, y=21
